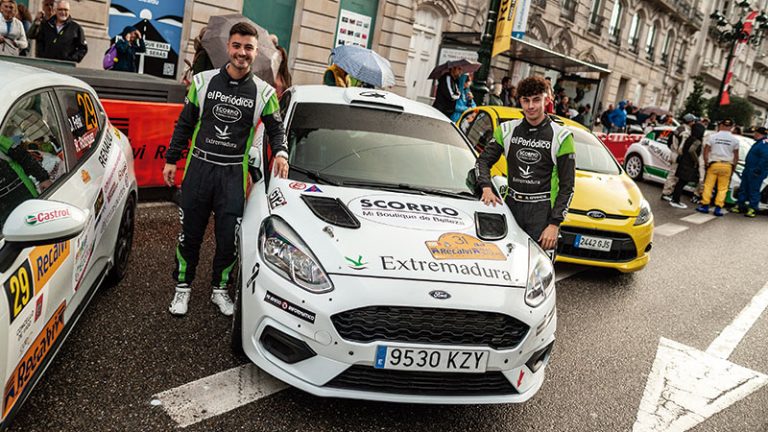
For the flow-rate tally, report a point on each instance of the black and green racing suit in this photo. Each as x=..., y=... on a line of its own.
x=540, y=171
x=220, y=116
x=16, y=167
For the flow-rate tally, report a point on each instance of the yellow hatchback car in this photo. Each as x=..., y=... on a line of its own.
x=609, y=223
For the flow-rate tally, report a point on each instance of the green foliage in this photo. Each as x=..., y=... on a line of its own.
x=740, y=110
x=695, y=103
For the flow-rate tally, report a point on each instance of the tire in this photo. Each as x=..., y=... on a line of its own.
x=237, y=319
x=124, y=243
x=634, y=166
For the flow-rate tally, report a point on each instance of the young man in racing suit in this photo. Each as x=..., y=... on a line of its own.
x=220, y=116
x=540, y=166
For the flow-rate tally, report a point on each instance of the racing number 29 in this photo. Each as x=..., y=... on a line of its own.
x=85, y=103
x=20, y=289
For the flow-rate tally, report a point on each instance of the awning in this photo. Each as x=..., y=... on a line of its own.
x=530, y=53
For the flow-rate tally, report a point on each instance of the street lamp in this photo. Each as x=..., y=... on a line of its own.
x=733, y=33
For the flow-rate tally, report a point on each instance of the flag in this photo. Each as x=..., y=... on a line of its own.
x=521, y=19
x=504, y=24
x=749, y=24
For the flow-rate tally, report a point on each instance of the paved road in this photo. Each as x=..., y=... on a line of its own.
x=127, y=347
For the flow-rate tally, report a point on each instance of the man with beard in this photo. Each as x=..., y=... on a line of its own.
x=220, y=115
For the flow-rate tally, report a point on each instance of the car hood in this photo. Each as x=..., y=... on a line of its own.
x=611, y=194
x=402, y=235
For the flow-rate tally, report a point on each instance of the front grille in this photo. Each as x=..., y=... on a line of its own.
x=429, y=326
x=366, y=378
x=622, y=249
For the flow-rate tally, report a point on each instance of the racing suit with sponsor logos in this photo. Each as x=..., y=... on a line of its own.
x=16, y=166
x=540, y=171
x=220, y=116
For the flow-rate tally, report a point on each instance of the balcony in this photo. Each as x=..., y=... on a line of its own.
x=541, y=4
x=615, y=37
x=568, y=10
x=761, y=60
x=665, y=60
x=596, y=25
x=680, y=69
x=633, y=44
x=649, y=50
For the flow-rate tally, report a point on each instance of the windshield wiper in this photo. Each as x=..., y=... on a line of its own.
x=314, y=175
x=404, y=187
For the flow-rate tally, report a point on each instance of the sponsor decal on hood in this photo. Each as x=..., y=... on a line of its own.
x=47, y=216
x=357, y=264
x=410, y=212
x=289, y=307
x=432, y=268
x=463, y=246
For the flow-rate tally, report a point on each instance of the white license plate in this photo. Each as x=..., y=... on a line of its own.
x=593, y=243
x=430, y=360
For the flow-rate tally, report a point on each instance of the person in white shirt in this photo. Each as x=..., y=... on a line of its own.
x=721, y=154
x=13, y=38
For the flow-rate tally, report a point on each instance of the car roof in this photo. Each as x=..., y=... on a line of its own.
x=517, y=113
x=365, y=97
x=17, y=80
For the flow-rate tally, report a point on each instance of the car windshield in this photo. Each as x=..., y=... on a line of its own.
x=744, y=145
x=352, y=145
x=591, y=154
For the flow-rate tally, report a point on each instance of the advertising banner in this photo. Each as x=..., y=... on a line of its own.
x=160, y=23
x=504, y=24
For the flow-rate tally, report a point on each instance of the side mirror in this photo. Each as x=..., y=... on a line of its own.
x=38, y=222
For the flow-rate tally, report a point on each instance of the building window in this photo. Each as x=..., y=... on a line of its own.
x=596, y=17
x=614, y=28
x=650, y=42
x=634, y=33
x=665, y=55
x=568, y=10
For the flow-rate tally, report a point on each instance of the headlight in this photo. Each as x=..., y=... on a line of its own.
x=541, y=276
x=645, y=213
x=285, y=253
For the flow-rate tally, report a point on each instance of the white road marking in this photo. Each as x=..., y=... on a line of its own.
x=698, y=218
x=217, y=394
x=669, y=229
x=687, y=386
x=156, y=204
x=729, y=338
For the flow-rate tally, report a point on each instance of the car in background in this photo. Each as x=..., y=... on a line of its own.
x=650, y=159
x=609, y=223
x=67, y=204
x=375, y=272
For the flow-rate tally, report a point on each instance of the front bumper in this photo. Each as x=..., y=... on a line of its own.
x=342, y=368
x=630, y=251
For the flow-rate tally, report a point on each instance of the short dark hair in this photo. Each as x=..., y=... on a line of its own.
x=531, y=86
x=506, y=79
x=243, y=29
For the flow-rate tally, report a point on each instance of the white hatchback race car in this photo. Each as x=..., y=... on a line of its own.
x=67, y=204
x=375, y=272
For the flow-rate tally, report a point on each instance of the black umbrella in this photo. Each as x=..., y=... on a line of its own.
x=217, y=36
x=467, y=66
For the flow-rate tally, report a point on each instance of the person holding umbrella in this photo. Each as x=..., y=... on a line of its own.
x=220, y=116
x=448, y=92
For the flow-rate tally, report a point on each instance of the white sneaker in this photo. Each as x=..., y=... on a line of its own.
x=220, y=298
x=667, y=197
x=179, y=304
x=678, y=205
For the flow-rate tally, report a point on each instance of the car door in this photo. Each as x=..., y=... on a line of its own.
x=36, y=281
x=94, y=164
x=661, y=155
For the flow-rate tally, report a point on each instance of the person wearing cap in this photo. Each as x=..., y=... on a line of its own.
x=128, y=45
x=721, y=154
x=755, y=172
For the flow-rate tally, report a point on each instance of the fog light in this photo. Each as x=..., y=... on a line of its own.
x=286, y=348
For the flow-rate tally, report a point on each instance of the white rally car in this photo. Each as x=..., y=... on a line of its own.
x=374, y=271
x=67, y=204
x=651, y=158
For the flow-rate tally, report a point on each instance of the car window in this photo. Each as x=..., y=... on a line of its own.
x=31, y=154
x=480, y=131
x=661, y=135
x=348, y=144
x=84, y=117
x=591, y=154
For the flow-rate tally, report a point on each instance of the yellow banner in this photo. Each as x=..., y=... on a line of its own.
x=504, y=23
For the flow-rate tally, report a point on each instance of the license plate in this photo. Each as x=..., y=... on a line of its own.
x=431, y=360
x=593, y=243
